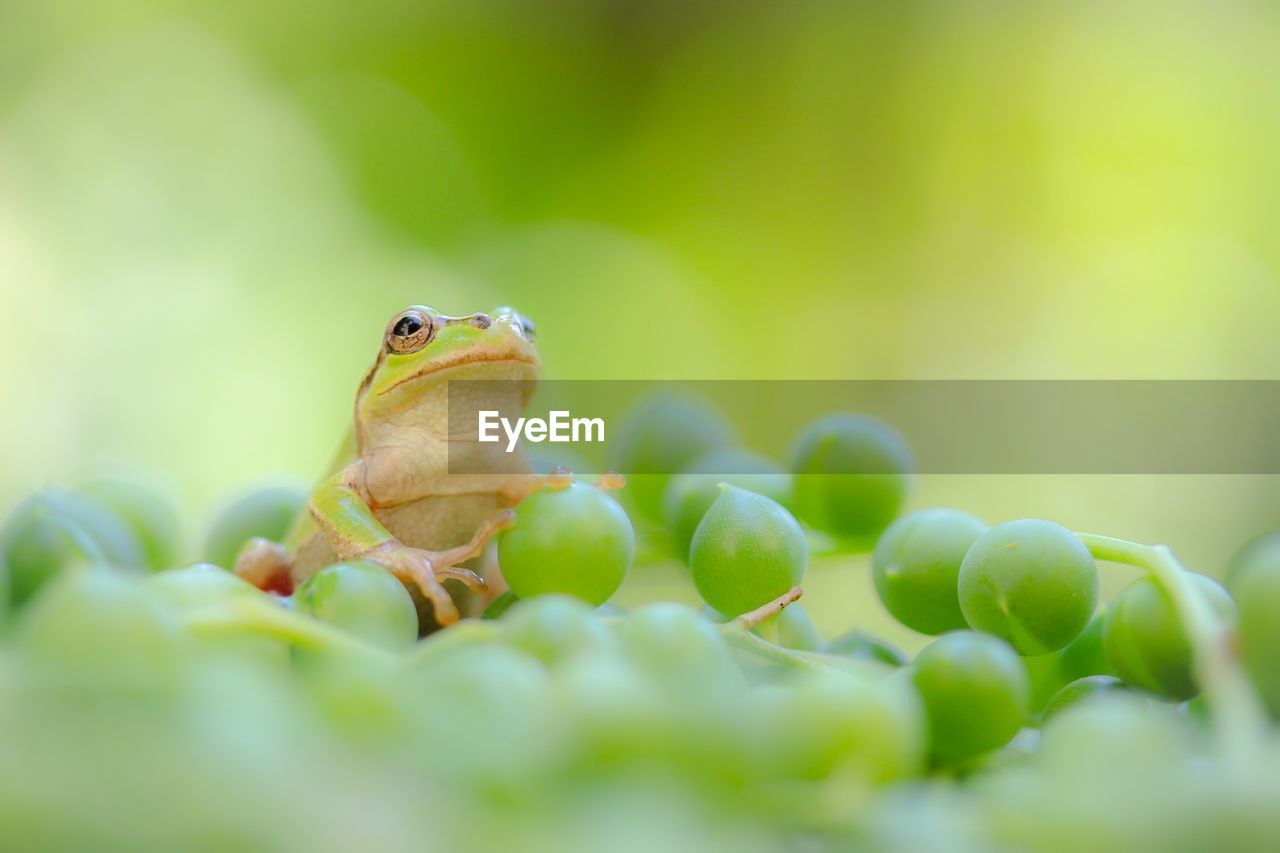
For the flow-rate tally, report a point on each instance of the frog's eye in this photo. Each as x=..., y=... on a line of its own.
x=410, y=332
x=527, y=328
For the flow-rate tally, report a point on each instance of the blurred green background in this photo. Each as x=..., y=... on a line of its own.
x=208, y=212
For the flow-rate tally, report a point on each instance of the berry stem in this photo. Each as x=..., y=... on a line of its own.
x=742, y=639
x=751, y=619
x=738, y=633
x=1239, y=720
x=272, y=621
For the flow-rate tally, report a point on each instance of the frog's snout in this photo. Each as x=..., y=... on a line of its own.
x=517, y=322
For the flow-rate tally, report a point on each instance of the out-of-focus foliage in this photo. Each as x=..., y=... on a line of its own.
x=166, y=713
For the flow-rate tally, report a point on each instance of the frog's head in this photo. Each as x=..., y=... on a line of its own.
x=422, y=346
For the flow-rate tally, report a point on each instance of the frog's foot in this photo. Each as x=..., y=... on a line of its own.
x=414, y=568
x=560, y=478
x=265, y=564
x=611, y=481
x=426, y=569
x=447, y=561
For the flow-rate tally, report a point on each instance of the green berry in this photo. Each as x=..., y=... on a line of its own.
x=55, y=530
x=200, y=585
x=796, y=630
x=205, y=590
x=675, y=645
x=553, y=628
x=152, y=518
x=690, y=493
x=363, y=598
x=1082, y=690
x=1084, y=656
x=1262, y=553
x=1032, y=583
x=572, y=539
x=658, y=438
x=852, y=474
x=101, y=626
x=827, y=724
x=975, y=693
x=916, y=566
x=1257, y=594
x=860, y=646
x=266, y=512
x=1145, y=641
x=747, y=551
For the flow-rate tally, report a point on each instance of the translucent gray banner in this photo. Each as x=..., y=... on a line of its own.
x=951, y=426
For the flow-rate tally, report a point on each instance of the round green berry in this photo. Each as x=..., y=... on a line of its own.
x=852, y=474
x=674, y=644
x=1082, y=657
x=363, y=598
x=56, y=529
x=1032, y=583
x=796, y=629
x=658, y=438
x=691, y=493
x=1261, y=553
x=102, y=626
x=151, y=517
x=200, y=585
x=1257, y=594
x=266, y=512
x=974, y=691
x=573, y=539
x=553, y=628
x=916, y=566
x=747, y=551
x=1145, y=641
x=827, y=723
x=1082, y=690
x=862, y=646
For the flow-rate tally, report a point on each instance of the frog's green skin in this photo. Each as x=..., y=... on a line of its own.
x=389, y=496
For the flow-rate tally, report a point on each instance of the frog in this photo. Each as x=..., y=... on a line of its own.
x=391, y=495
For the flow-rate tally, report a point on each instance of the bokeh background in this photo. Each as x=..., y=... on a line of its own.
x=209, y=210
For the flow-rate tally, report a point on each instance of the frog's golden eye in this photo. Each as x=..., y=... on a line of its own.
x=410, y=332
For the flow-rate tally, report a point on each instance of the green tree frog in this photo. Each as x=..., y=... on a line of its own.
x=389, y=496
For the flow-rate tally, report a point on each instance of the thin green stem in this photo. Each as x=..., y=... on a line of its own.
x=748, y=642
x=763, y=616
x=285, y=625
x=1239, y=719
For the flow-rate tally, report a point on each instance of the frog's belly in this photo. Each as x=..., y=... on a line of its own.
x=432, y=523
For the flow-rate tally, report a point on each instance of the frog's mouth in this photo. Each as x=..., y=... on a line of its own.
x=455, y=364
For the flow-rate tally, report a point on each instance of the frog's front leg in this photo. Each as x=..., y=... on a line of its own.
x=354, y=532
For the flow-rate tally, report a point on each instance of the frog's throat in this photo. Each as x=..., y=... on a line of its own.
x=441, y=367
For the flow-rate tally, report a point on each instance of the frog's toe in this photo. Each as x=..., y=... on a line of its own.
x=416, y=572
x=446, y=611
x=502, y=520
x=473, y=581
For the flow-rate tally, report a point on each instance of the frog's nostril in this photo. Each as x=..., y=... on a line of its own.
x=481, y=321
